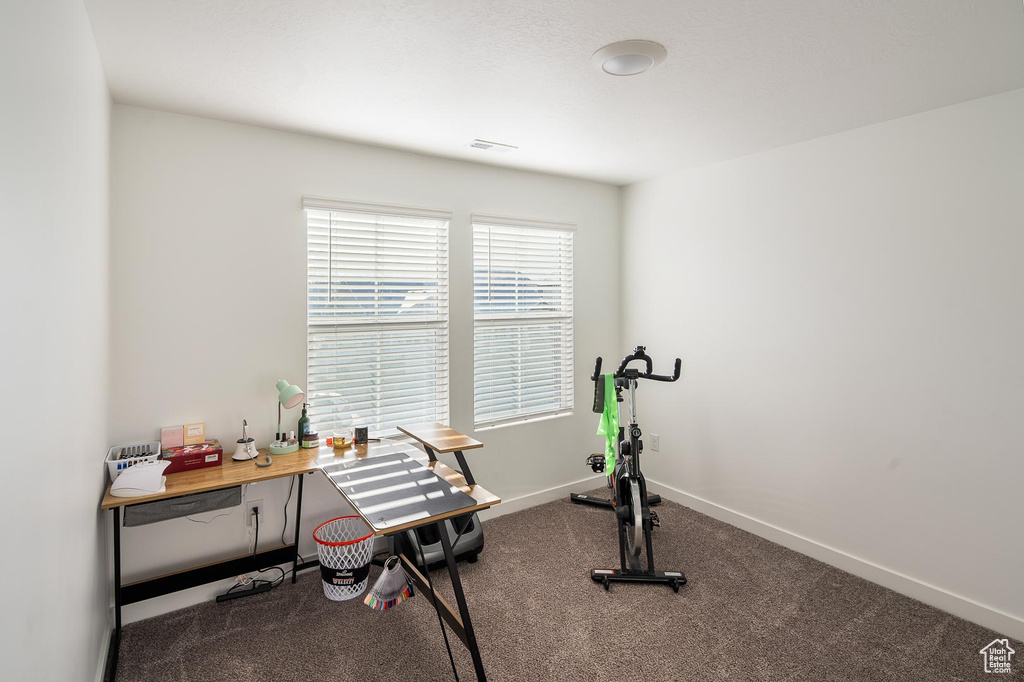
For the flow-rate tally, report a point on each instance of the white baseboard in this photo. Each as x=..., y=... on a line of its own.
x=175, y=601
x=101, y=666
x=968, y=609
x=542, y=496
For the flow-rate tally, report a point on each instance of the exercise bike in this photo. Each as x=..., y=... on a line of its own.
x=630, y=501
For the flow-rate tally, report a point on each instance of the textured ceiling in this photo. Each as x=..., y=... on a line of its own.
x=430, y=75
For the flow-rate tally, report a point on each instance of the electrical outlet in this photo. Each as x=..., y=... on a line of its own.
x=655, y=442
x=248, y=511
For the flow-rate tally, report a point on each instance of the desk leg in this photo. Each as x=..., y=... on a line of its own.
x=466, y=473
x=298, y=519
x=460, y=598
x=116, y=644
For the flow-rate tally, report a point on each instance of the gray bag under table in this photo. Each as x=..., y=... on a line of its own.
x=186, y=505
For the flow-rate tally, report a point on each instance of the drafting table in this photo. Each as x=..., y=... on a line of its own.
x=434, y=438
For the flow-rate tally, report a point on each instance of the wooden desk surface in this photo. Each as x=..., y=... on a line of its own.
x=232, y=473
x=482, y=498
x=227, y=475
x=439, y=437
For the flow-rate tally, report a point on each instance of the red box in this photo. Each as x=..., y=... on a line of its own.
x=189, y=457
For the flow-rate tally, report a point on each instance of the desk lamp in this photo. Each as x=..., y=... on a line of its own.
x=288, y=395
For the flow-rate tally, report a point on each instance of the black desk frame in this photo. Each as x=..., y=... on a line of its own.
x=194, y=577
x=461, y=624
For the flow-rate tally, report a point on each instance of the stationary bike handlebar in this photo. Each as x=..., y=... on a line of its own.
x=639, y=353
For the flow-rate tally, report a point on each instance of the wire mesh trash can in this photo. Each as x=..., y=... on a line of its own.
x=345, y=547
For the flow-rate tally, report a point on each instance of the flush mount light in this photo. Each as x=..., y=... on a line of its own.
x=628, y=57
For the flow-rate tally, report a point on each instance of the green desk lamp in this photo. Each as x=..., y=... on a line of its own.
x=288, y=395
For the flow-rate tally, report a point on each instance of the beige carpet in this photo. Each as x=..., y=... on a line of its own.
x=752, y=611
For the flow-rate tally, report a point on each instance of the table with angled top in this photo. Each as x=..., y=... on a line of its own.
x=339, y=466
x=412, y=509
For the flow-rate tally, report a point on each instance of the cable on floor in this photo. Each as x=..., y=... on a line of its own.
x=256, y=582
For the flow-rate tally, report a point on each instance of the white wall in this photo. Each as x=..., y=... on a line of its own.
x=208, y=295
x=54, y=124
x=849, y=312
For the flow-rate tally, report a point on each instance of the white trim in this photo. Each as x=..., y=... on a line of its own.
x=958, y=605
x=509, y=506
x=505, y=221
x=101, y=666
x=514, y=421
x=324, y=204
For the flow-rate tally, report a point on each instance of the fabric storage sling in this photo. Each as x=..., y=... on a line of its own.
x=197, y=503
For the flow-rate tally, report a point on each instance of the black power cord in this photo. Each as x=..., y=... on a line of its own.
x=259, y=583
x=284, y=529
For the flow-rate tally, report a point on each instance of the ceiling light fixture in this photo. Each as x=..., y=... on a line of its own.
x=629, y=57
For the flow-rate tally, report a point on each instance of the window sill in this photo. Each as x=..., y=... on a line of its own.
x=520, y=422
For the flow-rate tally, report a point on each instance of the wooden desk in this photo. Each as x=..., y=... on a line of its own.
x=227, y=475
x=433, y=437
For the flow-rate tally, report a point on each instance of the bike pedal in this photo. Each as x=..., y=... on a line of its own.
x=655, y=519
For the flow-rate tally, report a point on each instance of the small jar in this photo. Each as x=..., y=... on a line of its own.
x=311, y=440
x=342, y=439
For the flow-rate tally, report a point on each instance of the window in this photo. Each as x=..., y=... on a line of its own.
x=522, y=314
x=377, y=316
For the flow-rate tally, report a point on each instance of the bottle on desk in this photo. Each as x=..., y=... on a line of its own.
x=304, y=427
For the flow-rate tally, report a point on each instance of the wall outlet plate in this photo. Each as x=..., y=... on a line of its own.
x=248, y=511
x=655, y=442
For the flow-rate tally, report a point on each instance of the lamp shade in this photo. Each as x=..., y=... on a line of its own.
x=289, y=395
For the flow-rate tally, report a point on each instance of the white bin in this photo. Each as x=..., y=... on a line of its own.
x=345, y=547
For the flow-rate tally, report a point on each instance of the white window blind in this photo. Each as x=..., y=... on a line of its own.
x=377, y=316
x=523, y=320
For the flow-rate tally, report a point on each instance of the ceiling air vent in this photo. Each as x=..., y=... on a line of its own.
x=485, y=145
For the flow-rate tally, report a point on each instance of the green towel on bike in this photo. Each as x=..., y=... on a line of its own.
x=609, y=426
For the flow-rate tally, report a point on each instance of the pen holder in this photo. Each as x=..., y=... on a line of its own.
x=121, y=457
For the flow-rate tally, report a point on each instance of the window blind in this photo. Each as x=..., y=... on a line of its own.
x=523, y=320
x=377, y=317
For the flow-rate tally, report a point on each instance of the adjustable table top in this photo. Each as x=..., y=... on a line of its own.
x=333, y=462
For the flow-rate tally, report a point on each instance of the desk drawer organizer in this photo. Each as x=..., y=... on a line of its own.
x=176, y=507
x=138, y=452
